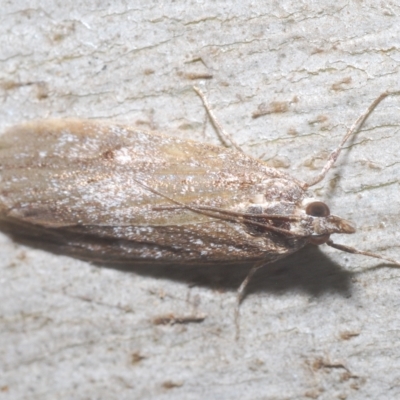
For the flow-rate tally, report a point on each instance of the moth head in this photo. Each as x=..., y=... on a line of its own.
x=323, y=223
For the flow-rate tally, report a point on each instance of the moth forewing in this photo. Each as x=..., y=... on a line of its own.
x=92, y=180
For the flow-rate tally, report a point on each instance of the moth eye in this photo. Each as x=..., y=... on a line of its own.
x=317, y=209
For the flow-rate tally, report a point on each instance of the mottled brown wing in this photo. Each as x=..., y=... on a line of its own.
x=92, y=180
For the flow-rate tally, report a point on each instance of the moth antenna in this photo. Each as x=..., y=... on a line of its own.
x=354, y=128
x=352, y=250
x=233, y=213
x=223, y=135
x=220, y=214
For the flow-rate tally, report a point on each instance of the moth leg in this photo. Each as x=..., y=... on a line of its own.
x=223, y=135
x=352, y=250
x=242, y=291
x=354, y=128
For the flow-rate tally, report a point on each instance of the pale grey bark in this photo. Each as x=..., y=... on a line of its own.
x=321, y=324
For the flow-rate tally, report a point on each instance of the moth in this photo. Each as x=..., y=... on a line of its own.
x=114, y=193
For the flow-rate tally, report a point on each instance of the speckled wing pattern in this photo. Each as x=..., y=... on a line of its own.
x=107, y=190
